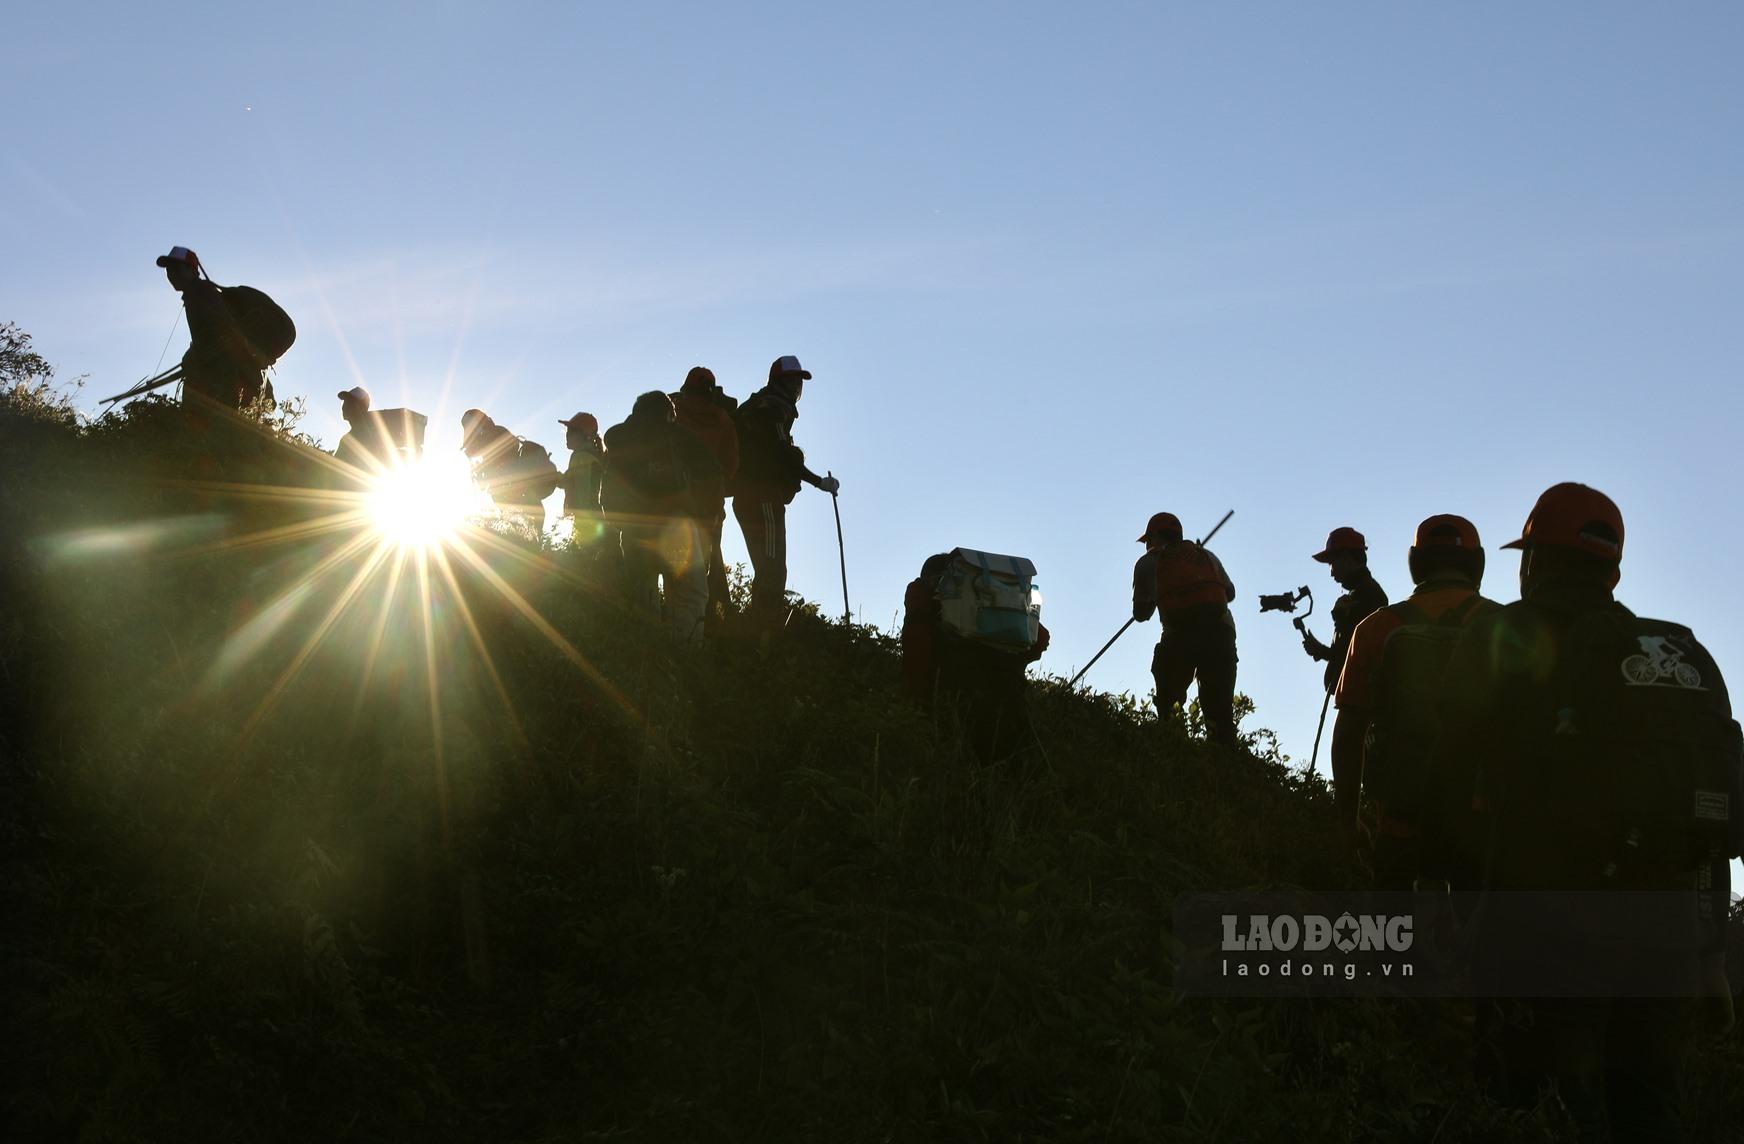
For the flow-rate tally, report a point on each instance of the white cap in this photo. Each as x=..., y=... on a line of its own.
x=356, y=395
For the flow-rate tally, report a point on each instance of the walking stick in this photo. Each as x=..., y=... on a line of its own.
x=1324, y=703
x=1129, y=623
x=1098, y=655
x=842, y=550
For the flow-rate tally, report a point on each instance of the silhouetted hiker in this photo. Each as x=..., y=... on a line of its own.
x=708, y=412
x=968, y=633
x=517, y=473
x=1389, y=697
x=234, y=334
x=1346, y=556
x=771, y=469
x=661, y=486
x=1188, y=588
x=587, y=467
x=1608, y=760
x=377, y=439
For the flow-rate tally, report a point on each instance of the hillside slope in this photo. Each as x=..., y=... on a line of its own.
x=486, y=861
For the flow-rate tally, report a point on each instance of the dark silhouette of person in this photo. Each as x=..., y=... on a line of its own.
x=1573, y=720
x=1187, y=587
x=377, y=440
x=771, y=469
x=708, y=412
x=494, y=454
x=1387, y=754
x=1346, y=557
x=586, y=471
x=942, y=671
x=661, y=486
x=219, y=365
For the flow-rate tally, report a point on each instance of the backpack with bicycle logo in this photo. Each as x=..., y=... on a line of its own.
x=1643, y=745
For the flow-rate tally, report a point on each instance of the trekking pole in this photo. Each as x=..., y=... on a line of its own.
x=842, y=550
x=1129, y=623
x=1098, y=655
x=1321, y=726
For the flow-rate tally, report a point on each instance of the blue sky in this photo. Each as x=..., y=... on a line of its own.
x=1055, y=267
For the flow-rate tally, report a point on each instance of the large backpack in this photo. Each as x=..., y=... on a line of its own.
x=1187, y=576
x=656, y=471
x=536, y=475
x=1643, y=746
x=990, y=600
x=1405, y=724
x=264, y=325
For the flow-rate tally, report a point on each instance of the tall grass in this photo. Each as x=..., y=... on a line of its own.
x=744, y=893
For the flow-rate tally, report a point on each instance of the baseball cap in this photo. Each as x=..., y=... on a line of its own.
x=1341, y=540
x=586, y=422
x=179, y=254
x=699, y=377
x=787, y=365
x=1445, y=530
x=1573, y=515
x=357, y=394
x=1163, y=524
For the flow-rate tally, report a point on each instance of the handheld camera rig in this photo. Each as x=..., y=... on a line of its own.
x=1287, y=601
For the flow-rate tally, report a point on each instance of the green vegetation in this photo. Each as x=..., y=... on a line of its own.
x=741, y=894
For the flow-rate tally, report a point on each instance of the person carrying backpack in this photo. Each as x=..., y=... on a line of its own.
x=1388, y=697
x=771, y=469
x=226, y=359
x=517, y=473
x=1609, y=764
x=708, y=412
x=1187, y=587
x=662, y=484
x=968, y=635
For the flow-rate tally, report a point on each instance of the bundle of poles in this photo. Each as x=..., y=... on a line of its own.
x=168, y=377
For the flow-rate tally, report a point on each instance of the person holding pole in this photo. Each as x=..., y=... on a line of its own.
x=1186, y=586
x=771, y=469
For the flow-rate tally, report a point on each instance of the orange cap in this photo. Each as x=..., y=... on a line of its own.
x=1573, y=515
x=1445, y=530
x=1162, y=526
x=1341, y=540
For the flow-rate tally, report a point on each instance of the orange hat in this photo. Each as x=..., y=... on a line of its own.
x=586, y=422
x=1162, y=526
x=1573, y=515
x=1446, y=530
x=1341, y=540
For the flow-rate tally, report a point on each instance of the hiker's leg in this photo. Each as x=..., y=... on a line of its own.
x=685, y=569
x=718, y=592
x=1172, y=669
x=642, y=562
x=1216, y=670
x=765, y=525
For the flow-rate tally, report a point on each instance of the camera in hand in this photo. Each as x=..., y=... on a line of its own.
x=1285, y=601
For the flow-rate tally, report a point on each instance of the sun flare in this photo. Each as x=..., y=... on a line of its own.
x=421, y=504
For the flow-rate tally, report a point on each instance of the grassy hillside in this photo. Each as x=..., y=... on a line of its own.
x=264, y=887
